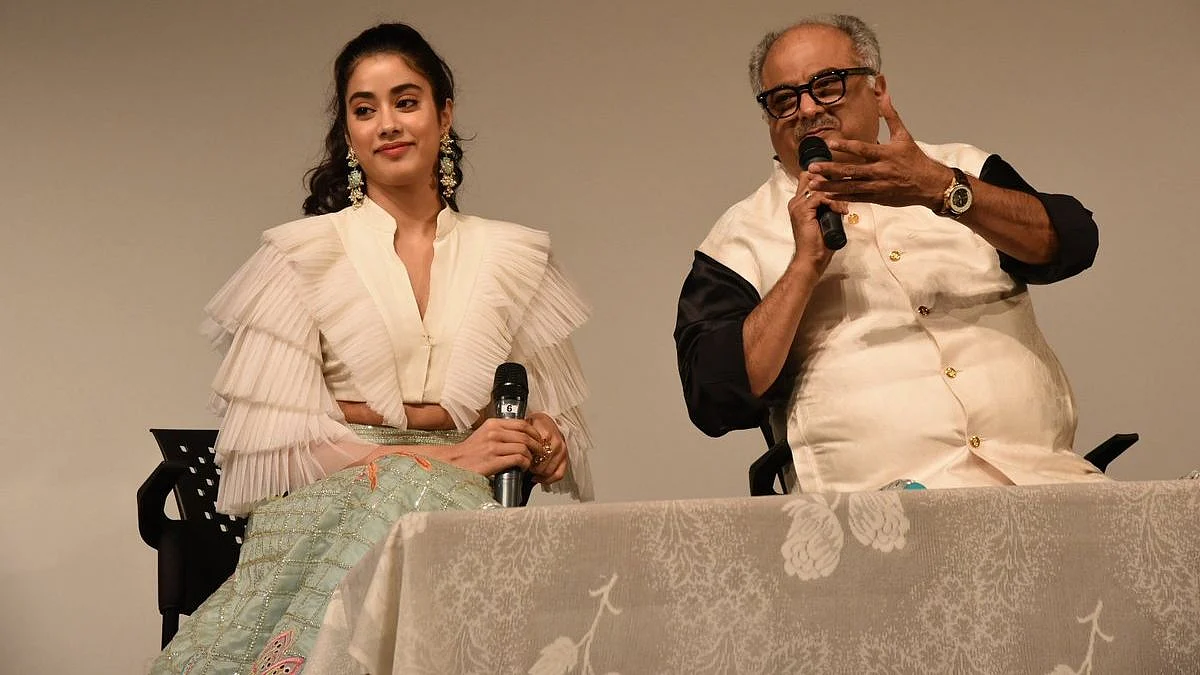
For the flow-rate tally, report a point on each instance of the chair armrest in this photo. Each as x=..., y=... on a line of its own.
x=152, y=500
x=768, y=467
x=1106, y=452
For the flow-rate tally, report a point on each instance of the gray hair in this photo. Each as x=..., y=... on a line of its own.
x=866, y=44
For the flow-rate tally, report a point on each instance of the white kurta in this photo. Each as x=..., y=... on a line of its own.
x=918, y=356
x=324, y=311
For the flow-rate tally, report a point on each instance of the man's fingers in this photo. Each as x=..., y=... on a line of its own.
x=878, y=187
x=832, y=172
x=864, y=193
x=868, y=151
x=896, y=128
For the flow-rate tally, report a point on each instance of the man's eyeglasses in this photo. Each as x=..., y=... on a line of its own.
x=825, y=88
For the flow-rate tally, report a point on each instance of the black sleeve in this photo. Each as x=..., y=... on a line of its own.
x=1078, y=237
x=713, y=305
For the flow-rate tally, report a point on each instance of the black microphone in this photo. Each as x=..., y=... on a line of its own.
x=813, y=149
x=510, y=396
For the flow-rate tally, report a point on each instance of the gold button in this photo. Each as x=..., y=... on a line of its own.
x=974, y=441
x=923, y=310
x=950, y=372
x=852, y=219
x=894, y=256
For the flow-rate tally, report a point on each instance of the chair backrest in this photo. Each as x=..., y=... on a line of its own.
x=196, y=489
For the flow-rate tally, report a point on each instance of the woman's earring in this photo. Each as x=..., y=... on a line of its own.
x=355, y=180
x=446, y=166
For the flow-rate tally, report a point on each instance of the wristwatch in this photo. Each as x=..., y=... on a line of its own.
x=958, y=197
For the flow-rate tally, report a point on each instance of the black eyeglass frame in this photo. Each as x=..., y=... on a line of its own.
x=840, y=73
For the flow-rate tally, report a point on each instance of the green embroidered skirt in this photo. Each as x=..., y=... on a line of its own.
x=265, y=618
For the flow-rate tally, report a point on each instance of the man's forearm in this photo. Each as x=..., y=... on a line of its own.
x=769, y=330
x=1011, y=221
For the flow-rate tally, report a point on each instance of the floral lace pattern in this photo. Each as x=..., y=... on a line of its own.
x=814, y=541
x=1056, y=579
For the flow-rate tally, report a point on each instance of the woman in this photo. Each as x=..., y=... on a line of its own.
x=360, y=349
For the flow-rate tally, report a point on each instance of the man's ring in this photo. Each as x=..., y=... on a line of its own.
x=806, y=195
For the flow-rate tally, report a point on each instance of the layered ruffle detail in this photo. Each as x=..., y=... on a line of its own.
x=269, y=387
x=524, y=310
x=343, y=309
x=556, y=383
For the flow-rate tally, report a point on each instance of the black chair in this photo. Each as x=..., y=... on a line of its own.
x=198, y=552
x=768, y=469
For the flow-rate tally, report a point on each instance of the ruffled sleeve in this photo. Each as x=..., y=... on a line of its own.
x=277, y=409
x=556, y=384
x=523, y=309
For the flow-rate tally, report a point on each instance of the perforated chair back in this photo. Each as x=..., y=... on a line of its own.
x=198, y=552
x=196, y=489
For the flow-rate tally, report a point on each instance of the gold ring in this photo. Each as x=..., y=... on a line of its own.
x=806, y=195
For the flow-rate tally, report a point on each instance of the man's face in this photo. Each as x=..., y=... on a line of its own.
x=794, y=59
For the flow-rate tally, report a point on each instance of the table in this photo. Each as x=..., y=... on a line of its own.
x=1057, y=579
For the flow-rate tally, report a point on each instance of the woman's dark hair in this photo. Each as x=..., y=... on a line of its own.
x=328, y=182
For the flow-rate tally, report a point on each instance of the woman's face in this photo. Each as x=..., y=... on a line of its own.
x=392, y=122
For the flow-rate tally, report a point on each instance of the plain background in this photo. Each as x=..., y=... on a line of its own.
x=146, y=145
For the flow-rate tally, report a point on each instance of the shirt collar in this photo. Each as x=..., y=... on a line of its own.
x=373, y=216
x=781, y=177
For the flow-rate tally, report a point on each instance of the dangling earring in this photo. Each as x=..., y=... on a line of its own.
x=446, y=166
x=356, y=179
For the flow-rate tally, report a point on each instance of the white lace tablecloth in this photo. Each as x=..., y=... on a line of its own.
x=1093, y=578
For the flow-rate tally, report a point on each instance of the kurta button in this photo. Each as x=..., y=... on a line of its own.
x=974, y=441
x=951, y=373
x=923, y=310
x=852, y=219
x=894, y=256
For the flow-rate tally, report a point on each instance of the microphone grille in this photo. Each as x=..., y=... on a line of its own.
x=813, y=149
x=511, y=374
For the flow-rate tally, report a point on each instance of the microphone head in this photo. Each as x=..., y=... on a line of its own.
x=813, y=149
x=511, y=380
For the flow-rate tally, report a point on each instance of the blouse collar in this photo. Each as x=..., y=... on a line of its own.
x=374, y=217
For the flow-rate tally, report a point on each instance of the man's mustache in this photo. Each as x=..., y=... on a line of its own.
x=805, y=127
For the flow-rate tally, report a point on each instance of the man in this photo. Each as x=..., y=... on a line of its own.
x=913, y=352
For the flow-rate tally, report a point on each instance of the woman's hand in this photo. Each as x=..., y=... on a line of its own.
x=550, y=458
x=497, y=444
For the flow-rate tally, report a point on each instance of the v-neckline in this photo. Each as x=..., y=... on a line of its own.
x=445, y=222
x=412, y=291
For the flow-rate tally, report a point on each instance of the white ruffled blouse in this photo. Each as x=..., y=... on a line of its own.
x=324, y=311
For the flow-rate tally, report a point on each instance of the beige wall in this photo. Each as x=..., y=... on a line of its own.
x=147, y=144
